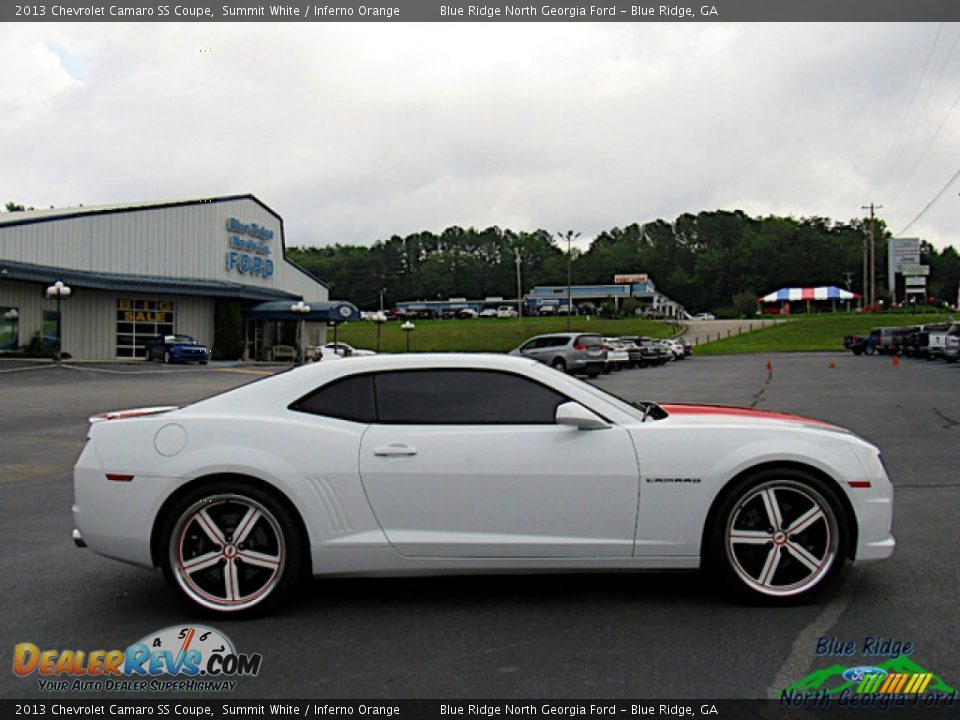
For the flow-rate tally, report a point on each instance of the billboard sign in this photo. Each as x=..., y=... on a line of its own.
x=630, y=279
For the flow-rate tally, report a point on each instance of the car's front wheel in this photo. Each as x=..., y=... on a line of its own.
x=778, y=537
x=231, y=547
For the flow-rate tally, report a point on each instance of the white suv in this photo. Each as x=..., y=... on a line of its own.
x=505, y=311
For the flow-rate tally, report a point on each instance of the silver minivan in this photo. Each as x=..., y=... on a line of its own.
x=567, y=352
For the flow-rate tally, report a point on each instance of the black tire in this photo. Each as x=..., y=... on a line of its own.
x=593, y=374
x=774, y=572
x=858, y=352
x=950, y=360
x=203, y=362
x=870, y=350
x=607, y=369
x=274, y=535
x=559, y=364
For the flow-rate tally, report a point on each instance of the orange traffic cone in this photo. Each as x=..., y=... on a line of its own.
x=769, y=365
x=833, y=365
x=896, y=361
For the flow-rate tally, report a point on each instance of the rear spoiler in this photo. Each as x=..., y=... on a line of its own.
x=137, y=412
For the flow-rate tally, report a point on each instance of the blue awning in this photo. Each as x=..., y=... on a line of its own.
x=337, y=312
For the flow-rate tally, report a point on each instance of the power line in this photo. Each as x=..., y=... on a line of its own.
x=926, y=104
x=916, y=165
x=909, y=107
x=930, y=204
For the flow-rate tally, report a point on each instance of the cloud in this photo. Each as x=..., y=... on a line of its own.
x=354, y=132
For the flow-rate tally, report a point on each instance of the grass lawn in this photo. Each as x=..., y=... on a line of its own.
x=822, y=331
x=487, y=335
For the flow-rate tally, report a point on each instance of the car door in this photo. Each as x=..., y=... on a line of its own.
x=471, y=463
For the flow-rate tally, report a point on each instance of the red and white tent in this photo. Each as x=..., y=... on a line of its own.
x=828, y=292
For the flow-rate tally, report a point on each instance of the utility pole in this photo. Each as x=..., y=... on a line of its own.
x=569, y=236
x=382, y=291
x=873, y=254
x=519, y=291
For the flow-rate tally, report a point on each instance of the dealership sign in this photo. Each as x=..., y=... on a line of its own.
x=630, y=279
x=249, y=249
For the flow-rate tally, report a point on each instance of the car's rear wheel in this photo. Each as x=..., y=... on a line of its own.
x=231, y=547
x=778, y=537
x=559, y=364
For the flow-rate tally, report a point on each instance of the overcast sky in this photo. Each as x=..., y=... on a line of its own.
x=357, y=132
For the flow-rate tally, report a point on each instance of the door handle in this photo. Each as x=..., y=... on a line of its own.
x=388, y=450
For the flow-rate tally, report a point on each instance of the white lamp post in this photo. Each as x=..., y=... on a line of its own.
x=408, y=328
x=379, y=318
x=301, y=309
x=58, y=290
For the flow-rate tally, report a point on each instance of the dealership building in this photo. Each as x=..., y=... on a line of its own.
x=136, y=271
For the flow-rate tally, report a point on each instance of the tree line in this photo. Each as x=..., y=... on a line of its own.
x=716, y=261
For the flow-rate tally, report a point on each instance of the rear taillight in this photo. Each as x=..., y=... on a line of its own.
x=578, y=346
x=606, y=347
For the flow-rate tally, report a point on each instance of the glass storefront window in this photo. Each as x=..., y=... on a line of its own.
x=139, y=321
x=9, y=328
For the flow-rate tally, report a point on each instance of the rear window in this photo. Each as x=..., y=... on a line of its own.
x=351, y=398
x=590, y=341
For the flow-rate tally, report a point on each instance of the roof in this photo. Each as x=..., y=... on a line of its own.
x=828, y=292
x=29, y=272
x=24, y=217
x=29, y=217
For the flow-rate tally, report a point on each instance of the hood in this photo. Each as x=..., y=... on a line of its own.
x=739, y=415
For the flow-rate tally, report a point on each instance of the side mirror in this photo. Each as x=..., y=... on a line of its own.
x=576, y=415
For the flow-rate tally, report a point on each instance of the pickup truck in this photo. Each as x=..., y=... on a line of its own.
x=938, y=340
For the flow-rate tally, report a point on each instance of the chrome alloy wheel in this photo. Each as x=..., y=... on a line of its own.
x=227, y=552
x=782, y=538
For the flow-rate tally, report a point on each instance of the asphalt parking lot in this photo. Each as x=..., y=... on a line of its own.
x=656, y=635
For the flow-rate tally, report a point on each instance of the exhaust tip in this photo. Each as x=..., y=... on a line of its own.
x=78, y=538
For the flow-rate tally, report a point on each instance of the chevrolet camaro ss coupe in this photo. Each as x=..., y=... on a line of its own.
x=428, y=464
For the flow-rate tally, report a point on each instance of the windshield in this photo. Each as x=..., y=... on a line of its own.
x=642, y=410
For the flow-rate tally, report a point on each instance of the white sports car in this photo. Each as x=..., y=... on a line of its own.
x=432, y=464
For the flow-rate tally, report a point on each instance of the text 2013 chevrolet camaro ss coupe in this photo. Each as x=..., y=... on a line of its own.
x=471, y=463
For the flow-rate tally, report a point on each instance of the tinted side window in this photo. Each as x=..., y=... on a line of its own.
x=463, y=397
x=350, y=398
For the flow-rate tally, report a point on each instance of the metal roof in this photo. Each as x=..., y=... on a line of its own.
x=29, y=272
x=40, y=215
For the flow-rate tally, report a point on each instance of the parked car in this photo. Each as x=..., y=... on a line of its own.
x=547, y=310
x=618, y=357
x=466, y=314
x=674, y=348
x=435, y=463
x=176, y=348
x=634, y=353
x=705, y=316
x=858, y=344
x=448, y=315
x=938, y=339
x=567, y=352
x=344, y=350
x=649, y=353
x=687, y=347
x=951, y=344
x=505, y=311
x=488, y=313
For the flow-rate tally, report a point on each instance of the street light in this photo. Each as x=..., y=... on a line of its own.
x=301, y=309
x=569, y=236
x=408, y=328
x=59, y=291
x=379, y=318
x=519, y=286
